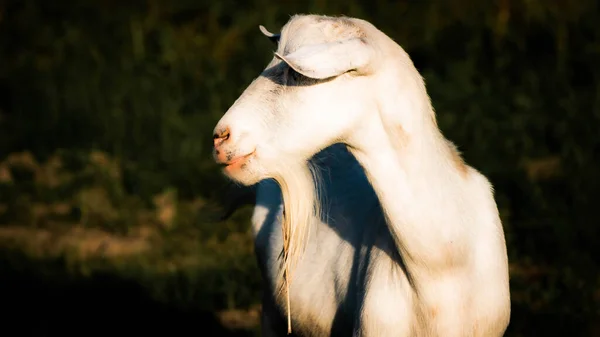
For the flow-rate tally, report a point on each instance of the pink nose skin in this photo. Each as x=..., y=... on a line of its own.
x=224, y=151
x=220, y=137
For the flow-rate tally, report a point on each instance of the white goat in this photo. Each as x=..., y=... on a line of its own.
x=409, y=241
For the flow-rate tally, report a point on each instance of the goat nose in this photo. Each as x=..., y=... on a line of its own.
x=220, y=136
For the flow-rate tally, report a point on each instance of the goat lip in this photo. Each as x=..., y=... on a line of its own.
x=237, y=161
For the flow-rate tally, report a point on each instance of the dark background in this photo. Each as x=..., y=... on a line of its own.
x=111, y=205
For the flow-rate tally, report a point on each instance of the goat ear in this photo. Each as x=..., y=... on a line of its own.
x=321, y=61
x=273, y=37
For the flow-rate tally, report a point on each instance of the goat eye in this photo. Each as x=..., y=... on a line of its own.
x=293, y=76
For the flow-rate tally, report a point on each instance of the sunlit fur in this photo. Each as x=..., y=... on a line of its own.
x=392, y=234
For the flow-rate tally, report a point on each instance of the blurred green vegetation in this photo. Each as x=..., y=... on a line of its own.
x=107, y=109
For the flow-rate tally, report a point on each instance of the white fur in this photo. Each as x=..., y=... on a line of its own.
x=391, y=233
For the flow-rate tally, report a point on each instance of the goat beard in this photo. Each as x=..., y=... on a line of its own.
x=299, y=185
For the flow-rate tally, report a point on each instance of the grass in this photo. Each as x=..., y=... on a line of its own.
x=78, y=235
x=67, y=227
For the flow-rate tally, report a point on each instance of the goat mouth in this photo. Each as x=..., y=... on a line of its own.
x=237, y=162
